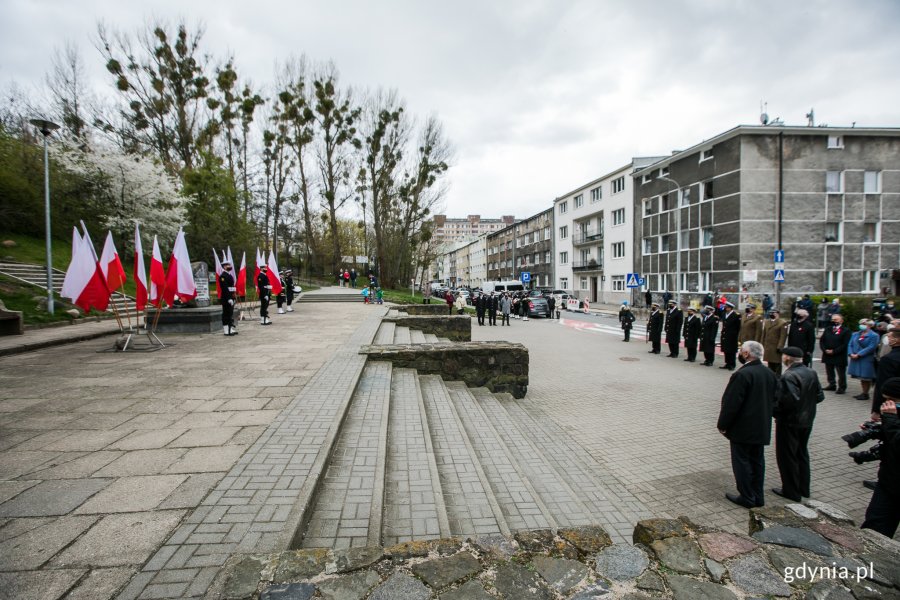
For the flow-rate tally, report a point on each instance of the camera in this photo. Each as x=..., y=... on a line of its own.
x=871, y=430
x=864, y=456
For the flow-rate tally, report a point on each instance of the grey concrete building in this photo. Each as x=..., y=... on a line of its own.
x=526, y=246
x=711, y=217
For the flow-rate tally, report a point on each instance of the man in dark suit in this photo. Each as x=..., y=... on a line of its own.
x=692, y=330
x=674, y=320
x=654, y=328
x=802, y=334
x=798, y=394
x=492, y=303
x=731, y=331
x=833, y=343
x=479, y=308
x=746, y=420
x=888, y=367
x=710, y=330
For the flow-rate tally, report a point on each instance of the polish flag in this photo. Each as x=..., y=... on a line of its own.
x=242, y=278
x=218, y=273
x=140, y=273
x=84, y=283
x=260, y=261
x=180, y=277
x=110, y=264
x=229, y=257
x=157, y=275
x=89, y=243
x=274, y=274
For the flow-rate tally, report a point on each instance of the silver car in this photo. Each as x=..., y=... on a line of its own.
x=538, y=307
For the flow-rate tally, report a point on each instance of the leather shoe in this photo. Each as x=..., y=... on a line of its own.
x=840, y=391
x=780, y=492
x=830, y=388
x=870, y=484
x=739, y=500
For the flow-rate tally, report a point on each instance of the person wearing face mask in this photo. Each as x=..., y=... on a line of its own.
x=674, y=321
x=731, y=331
x=226, y=285
x=862, y=348
x=799, y=391
x=692, y=331
x=708, y=340
x=774, y=334
x=802, y=334
x=751, y=326
x=833, y=343
x=654, y=329
x=888, y=367
x=745, y=419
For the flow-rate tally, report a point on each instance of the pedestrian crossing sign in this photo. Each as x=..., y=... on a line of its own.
x=633, y=280
x=779, y=275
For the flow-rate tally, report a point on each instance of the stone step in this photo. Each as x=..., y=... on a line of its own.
x=557, y=493
x=413, y=500
x=402, y=335
x=598, y=489
x=393, y=313
x=444, y=340
x=472, y=508
x=385, y=333
x=348, y=509
x=416, y=336
x=431, y=338
x=330, y=298
x=522, y=506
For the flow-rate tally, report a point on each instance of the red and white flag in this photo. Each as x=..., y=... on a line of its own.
x=242, y=278
x=157, y=275
x=218, y=273
x=260, y=261
x=110, y=265
x=180, y=277
x=228, y=256
x=140, y=273
x=274, y=274
x=84, y=283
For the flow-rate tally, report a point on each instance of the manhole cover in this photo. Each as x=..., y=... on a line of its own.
x=629, y=358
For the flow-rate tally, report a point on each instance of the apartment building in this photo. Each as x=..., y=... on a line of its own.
x=526, y=247
x=450, y=231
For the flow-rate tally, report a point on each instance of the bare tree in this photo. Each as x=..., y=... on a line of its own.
x=66, y=85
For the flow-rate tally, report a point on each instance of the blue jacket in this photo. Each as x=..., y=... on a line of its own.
x=865, y=346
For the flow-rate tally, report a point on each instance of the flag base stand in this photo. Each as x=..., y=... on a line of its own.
x=128, y=342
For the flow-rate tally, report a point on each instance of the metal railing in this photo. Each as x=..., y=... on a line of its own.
x=587, y=237
x=587, y=265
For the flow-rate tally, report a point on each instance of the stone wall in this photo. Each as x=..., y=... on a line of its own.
x=498, y=366
x=437, y=307
x=456, y=328
x=670, y=558
x=207, y=319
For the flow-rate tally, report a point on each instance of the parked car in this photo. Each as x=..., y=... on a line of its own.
x=538, y=307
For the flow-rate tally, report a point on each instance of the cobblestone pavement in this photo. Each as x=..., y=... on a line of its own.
x=651, y=421
x=103, y=455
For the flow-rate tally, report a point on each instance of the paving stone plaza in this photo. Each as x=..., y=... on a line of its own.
x=139, y=475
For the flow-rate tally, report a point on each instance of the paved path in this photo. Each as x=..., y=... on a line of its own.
x=37, y=339
x=650, y=421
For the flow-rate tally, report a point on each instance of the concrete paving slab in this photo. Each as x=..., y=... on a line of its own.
x=101, y=584
x=10, y=489
x=85, y=465
x=43, y=585
x=141, y=462
x=207, y=460
x=15, y=464
x=86, y=441
x=144, y=439
x=204, y=436
x=251, y=417
x=48, y=498
x=132, y=494
x=32, y=549
x=192, y=490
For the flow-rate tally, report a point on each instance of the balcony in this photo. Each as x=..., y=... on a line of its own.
x=588, y=265
x=588, y=236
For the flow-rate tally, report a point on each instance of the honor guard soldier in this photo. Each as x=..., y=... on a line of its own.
x=731, y=331
x=674, y=320
x=693, y=328
x=710, y=330
x=226, y=285
x=626, y=319
x=288, y=280
x=282, y=295
x=264, y=289
x=654, y=328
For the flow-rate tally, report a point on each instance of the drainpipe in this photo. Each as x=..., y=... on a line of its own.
x=778, y=210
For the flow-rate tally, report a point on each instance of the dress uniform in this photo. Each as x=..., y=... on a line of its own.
x=731, y=331
x=282, y=295
x=226, y=286
x=654, y=328
x=289, y=288
x=674, y=320
x=710, y=330
x=692, y=330
x=264, y=289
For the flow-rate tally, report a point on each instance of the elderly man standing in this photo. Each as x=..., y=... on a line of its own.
x=834, y=343
x=746, y=420
x=731, y=331
x=774, y=333
x=802, y=334
x=799, y=391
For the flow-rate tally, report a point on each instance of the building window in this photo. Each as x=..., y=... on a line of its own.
x=618, y=184
x=835, y=141
x=706, y=191
x=584, y=283
x=683, y=282
x=618, y=216
x=563, y=207
x=618, y=283
x=832, y=233
x=547, y=257
x=547, y=232
x=704, y=282
x=872, y=182
x=664, y=171
x=618, y=250
x=834, y=182
x=596, y=194
x=563, y=283
x=579, y=200
x=563, y=232
x=706, y=154
x=563, y=258
x=648, y=207
x=832, y=281
x=870, y=281
x=664, y=245
x=648, y=246
x=706, y=237
x=686, y=197
x=668, y=201
x=684, y=240
x=871, y=233
x=645, y=178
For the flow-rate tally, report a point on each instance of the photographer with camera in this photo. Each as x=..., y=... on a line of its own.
x=888, y=367
x=883, y=512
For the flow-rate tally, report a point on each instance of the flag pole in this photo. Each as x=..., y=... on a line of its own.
x=159, y=306
x=127, y=314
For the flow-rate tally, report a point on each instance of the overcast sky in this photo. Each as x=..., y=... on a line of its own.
x=537, y=97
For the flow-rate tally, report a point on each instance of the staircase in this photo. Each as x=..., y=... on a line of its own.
x=419, y=458
x=332, y=295
x=36, y=275
x=391, y=333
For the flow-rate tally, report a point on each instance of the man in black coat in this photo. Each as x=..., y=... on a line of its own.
x=551, y=305
x=798, y=394
x=883, y=512
x=802, y=334
x=492, y=303
x=746, y=420
x=692, y=330
x=479, y=308
x=654, y=328
x=648, y=298
x=888, y=367
x=674, y=320
x=626, y=320
x=264, y=289
x=833, y=343
x=226, y=286
x=731, y=331
x=710, y=330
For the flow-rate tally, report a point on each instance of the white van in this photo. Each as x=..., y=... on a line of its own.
x=510, y=285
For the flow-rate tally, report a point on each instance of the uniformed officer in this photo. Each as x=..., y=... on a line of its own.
x=264, y=289
x=226, y=285
x=654, y=328
x=710, y=330
x=282, y=295
x=693, y=328
x=731, y=331
x=674, y=320
x=289, y=287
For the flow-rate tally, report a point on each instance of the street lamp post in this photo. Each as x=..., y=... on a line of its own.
x=46, y=128
x=677, y=240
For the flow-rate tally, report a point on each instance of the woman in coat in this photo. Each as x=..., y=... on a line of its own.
x=861, y=350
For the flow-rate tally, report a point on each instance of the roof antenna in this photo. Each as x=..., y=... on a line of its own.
x=811, y=118
x=763, y=114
